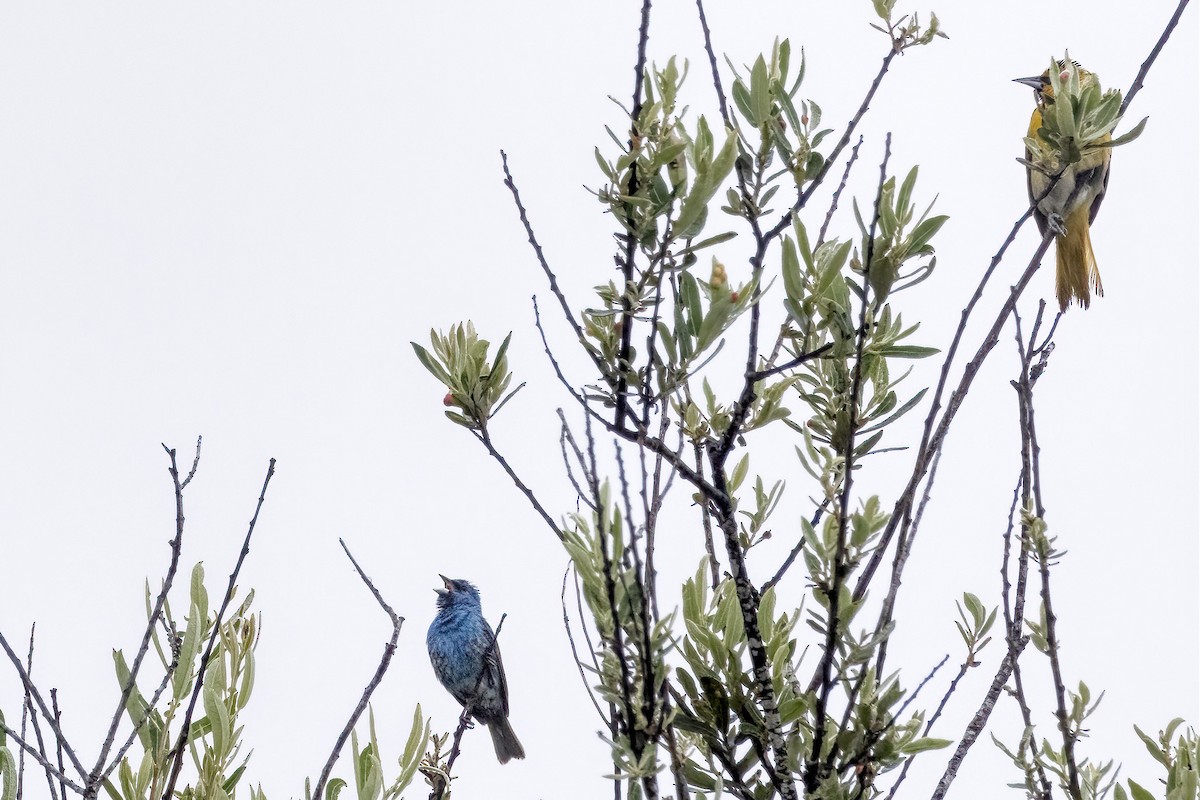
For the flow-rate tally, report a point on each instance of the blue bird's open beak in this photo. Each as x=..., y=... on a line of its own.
x=446, y=581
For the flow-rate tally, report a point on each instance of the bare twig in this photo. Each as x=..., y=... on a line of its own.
x=26, y=707
x=186, y=725
x=979, y=721
x=28, y=711
x=195, y=464
x=639, y=436
x=587, y=687
x=795, y=551
x=1136, y=86
x=903, y=550
x=486, y=440
x=38, y=755
x=934, y=438
x=837, y=193
x=389, y=650
x=551, y=279
x=40, y=703
x=1014, y=615
x=176, y=545
x=1032, y=482
x=62, y=786
x=831, y=159
x=962, y=671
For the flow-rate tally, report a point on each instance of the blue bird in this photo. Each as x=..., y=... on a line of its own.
x=458, y=638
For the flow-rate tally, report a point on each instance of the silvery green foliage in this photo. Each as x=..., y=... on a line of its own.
x=714, y=694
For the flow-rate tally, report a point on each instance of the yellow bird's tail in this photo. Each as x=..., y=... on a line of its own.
x=1077, y=276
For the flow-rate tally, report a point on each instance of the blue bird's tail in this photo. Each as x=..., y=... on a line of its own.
x=506, y=742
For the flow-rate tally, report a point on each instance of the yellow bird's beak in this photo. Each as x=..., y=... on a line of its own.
x=1036, y=82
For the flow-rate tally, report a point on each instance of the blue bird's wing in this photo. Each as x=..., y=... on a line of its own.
x=495, y=666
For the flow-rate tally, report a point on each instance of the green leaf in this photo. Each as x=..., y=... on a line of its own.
x=709, y=242
x=690, y=292
x=414, y=748
x=924, y=744
x=1153, y=748
x=739, y=472
x=1139, y=793
x=181, y=681
x=231, y=782
x=1126, y=138
x=760, y=92
x=333, y=788
x=925, y=231
x=741, y=98
x=8, y=775
x=908, y=351
x=199, y=596
x=427, y=361
x=904, y=198
x=214, y=709
x=975, y=607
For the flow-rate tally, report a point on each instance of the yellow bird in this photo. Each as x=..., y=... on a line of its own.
x=1070, y=207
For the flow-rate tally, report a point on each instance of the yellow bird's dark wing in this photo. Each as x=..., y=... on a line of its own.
x=1095, y=209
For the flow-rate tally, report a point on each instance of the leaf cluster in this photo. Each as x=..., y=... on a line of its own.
x=476, y=387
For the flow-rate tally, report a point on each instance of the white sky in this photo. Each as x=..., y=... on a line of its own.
x=230, y=219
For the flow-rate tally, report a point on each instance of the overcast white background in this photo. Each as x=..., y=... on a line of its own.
x=230, y=219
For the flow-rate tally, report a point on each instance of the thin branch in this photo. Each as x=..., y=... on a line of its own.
x=714, y=566
x=837, y=193
x=26, y=707
x=195, y=464
x=630, y=190
x=962, y=671
x=873, y=736
x=551, y=279
x=485, y=438
x=1136, y=86
x=934, y=439
x=32, y=689
x=587, y=687
x=804, y=196
x=388, y=651
x=813, y=773
x=27, y=710
x=176, y=545
x=185, y=727
x=795, y=551
x=638, y=436
x=803, y=358
x=62, y=786
x=903, y=550
x=1033, y=482
x=39, y=756
x=979, y=721
x=146, y=712
x=712, y=63
x=1029, y=477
